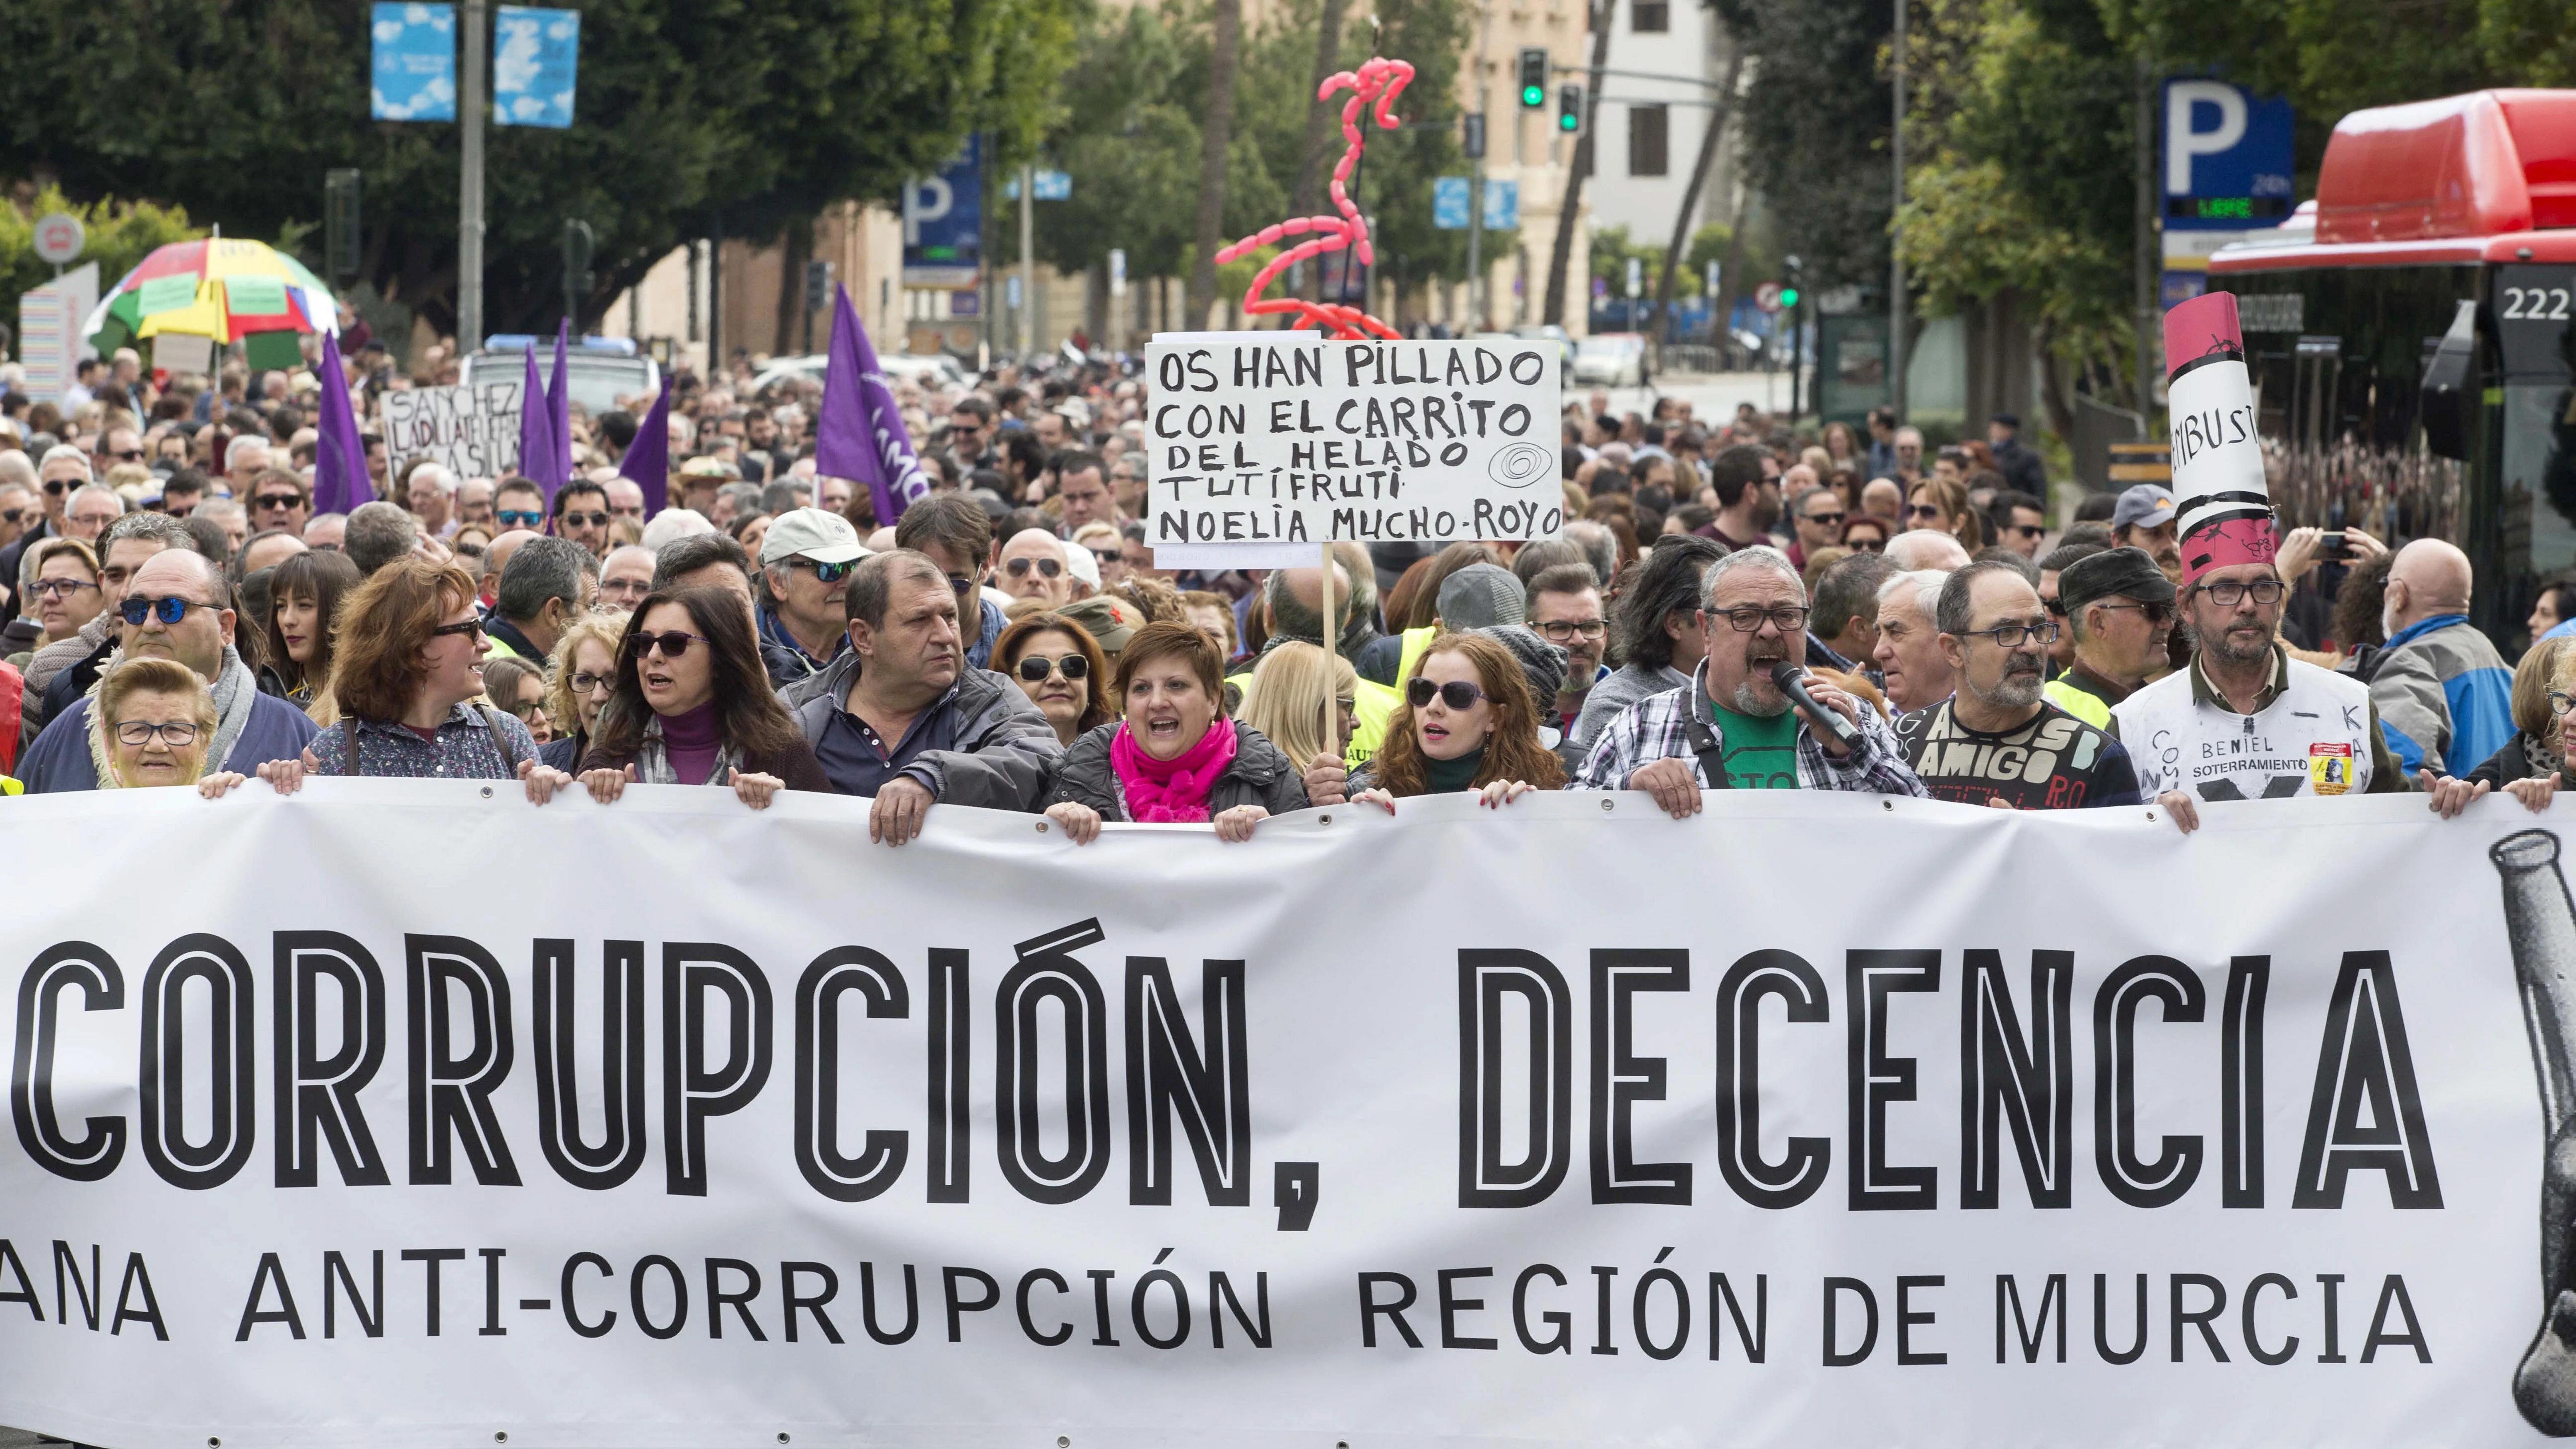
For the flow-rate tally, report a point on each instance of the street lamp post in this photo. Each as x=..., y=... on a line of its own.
x=469, y=199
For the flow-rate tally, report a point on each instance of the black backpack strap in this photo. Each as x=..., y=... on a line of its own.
x=501, y=740
x=349, y=746
x=1712, y=760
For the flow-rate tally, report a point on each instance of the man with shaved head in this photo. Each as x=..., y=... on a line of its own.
x=2445, y=697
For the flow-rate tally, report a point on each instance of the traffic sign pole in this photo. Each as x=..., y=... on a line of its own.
x=469, y=195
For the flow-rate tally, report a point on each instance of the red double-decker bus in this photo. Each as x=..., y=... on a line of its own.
x=2412, y=336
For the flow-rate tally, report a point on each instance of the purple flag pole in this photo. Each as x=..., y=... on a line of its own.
x=860, y=435
x=340, y=481
x=536, y=436
x=559, y=408
x=648, y=459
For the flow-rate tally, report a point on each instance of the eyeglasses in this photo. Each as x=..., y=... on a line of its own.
x=1923, y=510
x=128, y=455
x=1865, y=545
x=178, y=734
x=1037, y=666
x=2229, y=595
x=1746, y=620
x=1831, y=520
x=827, y=573
x=280, y=500
x=1457, y=693
x=1557, y=631
x=473, y=627
x=168, y=611
x=55, y=487
x=518, y=517
x=2156, y=613
x=59, y=588
x=589, y=683
x=2027, y=530
x=12, y=515
x=672, y=642
x=2561, y=702
x=584, y=520
x=961, y=585
x=1018, y=568
x=2011, y=636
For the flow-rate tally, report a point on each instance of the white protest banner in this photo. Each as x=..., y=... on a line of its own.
x=1259, y=442
x=471, y=431
x=407, y=1114
x=50, y=342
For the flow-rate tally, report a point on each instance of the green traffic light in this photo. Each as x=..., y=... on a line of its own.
x=1569, y=121
x=1533, y=95
x=1788, y=297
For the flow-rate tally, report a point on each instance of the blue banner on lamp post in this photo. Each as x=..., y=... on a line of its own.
x=535, y=54
x=413, y=74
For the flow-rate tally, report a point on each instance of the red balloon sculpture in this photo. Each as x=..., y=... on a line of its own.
x=1380, y=81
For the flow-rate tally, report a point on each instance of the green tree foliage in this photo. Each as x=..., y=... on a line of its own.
x=120, y=234
x=1815, y=121
x=738, y=116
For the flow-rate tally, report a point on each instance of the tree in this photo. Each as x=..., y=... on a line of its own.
x=120, y=234
x=1815, y=120
x=694, y=116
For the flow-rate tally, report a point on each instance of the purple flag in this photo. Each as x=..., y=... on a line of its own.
x=559, y=409
x=860, y=434
x=340, y=481
x=536, y=436
x=648, y=458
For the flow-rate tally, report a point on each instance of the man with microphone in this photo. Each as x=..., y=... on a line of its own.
x=1998, y=740
x=1751, y=718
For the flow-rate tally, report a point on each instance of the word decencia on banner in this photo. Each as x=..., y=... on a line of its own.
x=1379, y=81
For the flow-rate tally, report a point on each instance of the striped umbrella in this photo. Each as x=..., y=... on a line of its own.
x=221, y=288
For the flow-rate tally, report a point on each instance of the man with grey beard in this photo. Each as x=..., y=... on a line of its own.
x=1998, y=740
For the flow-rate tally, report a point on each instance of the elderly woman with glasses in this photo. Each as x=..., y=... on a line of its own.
x=409, y=665
x=691, y=705
x=579, y=675
x=150, y=724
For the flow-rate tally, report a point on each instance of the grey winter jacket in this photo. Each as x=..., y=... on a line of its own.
x=1259, y=774
x=1613, y=694
x=1005, y=747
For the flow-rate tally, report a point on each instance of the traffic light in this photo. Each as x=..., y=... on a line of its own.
x=818, y=285
x=1533, y=77
x=341, y=237
x=1569, y=109
x=577, y=280
x=1791, y=270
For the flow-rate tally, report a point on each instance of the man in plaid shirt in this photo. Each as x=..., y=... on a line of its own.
x=1732, y=728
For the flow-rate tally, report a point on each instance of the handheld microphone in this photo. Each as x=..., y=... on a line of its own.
x=1787, y=676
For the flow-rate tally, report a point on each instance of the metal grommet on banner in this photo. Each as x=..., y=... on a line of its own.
x=487, y=792
x=1887, y=805
x=2151, y=815
x=1608, y=805
x=500, y=1436
x=1325, y=819
x=1041, y=830
x=214, y=1443
x=1061, y=1442
x=782, y=1438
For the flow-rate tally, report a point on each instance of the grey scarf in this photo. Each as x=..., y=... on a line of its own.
x=653, y=761
x=236, y=688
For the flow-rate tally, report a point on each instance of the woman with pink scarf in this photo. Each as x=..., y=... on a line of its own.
x=1174, y=757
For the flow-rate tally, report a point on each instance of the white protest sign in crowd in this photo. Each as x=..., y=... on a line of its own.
x=1273, y=438
x=473, y=432
x=1370, y=1131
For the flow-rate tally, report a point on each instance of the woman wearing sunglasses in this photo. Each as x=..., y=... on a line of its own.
x=691, y=705
x=1941, y=505
x=1175, y=757
x=151, y=724
x=410, y=660
x=1058, y=665
x=579, y=675
x=1467, y=724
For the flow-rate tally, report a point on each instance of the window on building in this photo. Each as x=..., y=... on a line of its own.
x=1648, y=128
x=1650, y=17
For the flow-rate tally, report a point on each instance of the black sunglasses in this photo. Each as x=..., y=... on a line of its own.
x=280, y=500
x=672, y=642
x=1037, y=666
x=1018, y=568
x=1457, y=693
x=129, y=455
x=577, y=520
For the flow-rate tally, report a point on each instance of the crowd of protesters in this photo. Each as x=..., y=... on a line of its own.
x=1734, y=606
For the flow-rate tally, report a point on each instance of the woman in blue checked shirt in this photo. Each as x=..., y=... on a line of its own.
x=410, y=658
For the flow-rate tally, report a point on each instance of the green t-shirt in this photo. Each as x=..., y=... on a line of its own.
x=1760, y=754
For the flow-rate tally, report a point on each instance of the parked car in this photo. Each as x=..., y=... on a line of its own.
x=937, y=368
x=1611, y=359
x=1563, y=341
x=607, y=373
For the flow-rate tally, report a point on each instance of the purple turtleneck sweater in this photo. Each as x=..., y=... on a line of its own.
x=690, y=740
